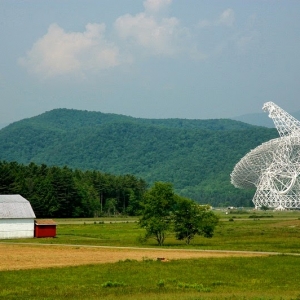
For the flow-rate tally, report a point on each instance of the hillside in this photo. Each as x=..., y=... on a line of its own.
x=261, y=119
x=197, y=156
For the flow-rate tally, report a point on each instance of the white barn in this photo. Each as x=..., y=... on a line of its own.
x=16, y=217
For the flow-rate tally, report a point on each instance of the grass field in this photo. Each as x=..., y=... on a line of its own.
x=268, y=277
x=275, y=277
x=269, y=231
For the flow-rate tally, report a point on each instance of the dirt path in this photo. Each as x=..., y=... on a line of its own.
x=24, y=256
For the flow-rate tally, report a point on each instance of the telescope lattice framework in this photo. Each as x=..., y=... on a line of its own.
x=274, y=166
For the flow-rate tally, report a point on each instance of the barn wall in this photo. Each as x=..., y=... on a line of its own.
x=16, y=228
x=45, y=230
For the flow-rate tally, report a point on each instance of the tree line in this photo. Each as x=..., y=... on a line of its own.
x=66, y=193
x=61, y=192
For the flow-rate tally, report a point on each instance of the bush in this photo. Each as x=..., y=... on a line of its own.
x=112, y=284
x=161, y=283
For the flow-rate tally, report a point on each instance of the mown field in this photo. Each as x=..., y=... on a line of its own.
x=267, y=277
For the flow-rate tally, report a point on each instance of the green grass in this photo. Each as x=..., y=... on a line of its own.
x=277, y=234
x=264, y=278
x=253, y=235
x=274, y=277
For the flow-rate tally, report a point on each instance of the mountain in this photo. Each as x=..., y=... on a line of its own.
x=2, y=125
x=197, y=156
x=261, y=119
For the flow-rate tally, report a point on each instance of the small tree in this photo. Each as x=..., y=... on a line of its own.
x=110, y=206
x=157, y=208
x=191, y=219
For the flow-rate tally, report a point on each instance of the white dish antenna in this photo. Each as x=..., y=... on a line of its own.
x=274, y=166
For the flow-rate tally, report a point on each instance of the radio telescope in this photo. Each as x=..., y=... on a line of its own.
x=274, y=166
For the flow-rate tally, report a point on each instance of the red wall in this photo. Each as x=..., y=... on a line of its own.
x=44, y=231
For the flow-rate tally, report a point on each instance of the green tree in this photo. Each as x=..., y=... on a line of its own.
x=192, y=219
x=110, y=206
x=7, y=177
x=157, y=211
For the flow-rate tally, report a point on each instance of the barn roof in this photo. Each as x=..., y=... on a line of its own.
x=45, y=222
x=15, y=207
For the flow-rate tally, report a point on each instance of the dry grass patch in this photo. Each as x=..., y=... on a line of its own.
x=15, y=257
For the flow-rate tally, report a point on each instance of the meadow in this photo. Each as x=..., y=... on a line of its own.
x=268, y=277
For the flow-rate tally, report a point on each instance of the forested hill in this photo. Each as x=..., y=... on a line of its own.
x=66, y=119
x=197, y=156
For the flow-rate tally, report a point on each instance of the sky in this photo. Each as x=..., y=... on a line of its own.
x=193, y=59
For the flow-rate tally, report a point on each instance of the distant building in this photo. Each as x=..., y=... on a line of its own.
x=16, y=217
x=44, y=228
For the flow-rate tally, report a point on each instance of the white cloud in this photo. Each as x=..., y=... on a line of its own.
x=156, y=5
x=197, y=55
x=243, y=42
x=155, y=36
x=152, y=34
x=59, y=52
x=226, y=18
x=147, y=33
x=247, y=42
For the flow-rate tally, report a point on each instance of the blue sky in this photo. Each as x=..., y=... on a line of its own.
x=152, y=59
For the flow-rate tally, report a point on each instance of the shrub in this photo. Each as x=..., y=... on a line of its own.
x=161, y=283
x=112, y=284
